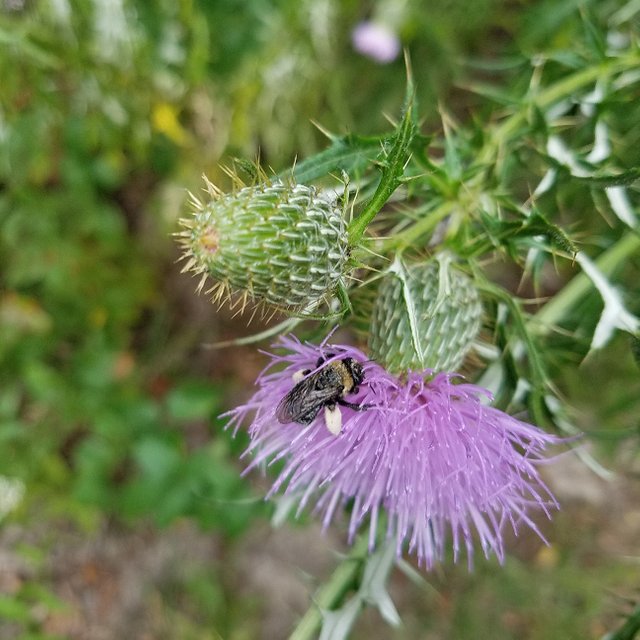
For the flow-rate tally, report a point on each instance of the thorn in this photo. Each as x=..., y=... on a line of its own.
x=189, y=266
x=195, y=202
x=187, y=223
x=273, y=310
x=201, y=283
x=237, y=181
x=217, y=291
x=244, y=299
x=211, y=188
x=331, y=136
x=253, y=314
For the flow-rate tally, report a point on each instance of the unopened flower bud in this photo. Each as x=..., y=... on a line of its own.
x=276, y=243
x=426, y=316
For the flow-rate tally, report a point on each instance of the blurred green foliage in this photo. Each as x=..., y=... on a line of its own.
x=90, y=117
x=108, y=110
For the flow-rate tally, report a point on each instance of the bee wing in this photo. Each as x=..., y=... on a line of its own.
x=292, y=406
x=304, y=401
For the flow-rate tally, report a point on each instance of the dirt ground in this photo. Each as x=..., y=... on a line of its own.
x=116, y=582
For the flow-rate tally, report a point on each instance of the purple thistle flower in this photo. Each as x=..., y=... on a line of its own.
x=375, y=41
x=428, y=453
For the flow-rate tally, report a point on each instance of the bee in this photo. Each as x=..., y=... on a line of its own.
x=326, y=389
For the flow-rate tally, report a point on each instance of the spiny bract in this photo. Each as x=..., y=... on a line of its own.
x=276, y=243
x=426, y=316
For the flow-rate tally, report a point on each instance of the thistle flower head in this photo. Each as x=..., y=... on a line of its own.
x=275, y=243
x=376, y=41
x=425, y=316
x=427, y=452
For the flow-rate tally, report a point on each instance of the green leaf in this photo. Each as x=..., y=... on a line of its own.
x=493, y=93
x=337, y=624
x=545, y=19
x=538, y=372
x=14, y=609
x=603, y=179
x=333, y=592
x=635, y=348
x=399, y=270
x=348, y=153
x=374, y=582
x=43, y=595
x=20, y=40
x=614, y=315
x=538, y=224
x=499, y=233
x=192, y=400
x=174, y=502
x=595, y=35
x=157, y=458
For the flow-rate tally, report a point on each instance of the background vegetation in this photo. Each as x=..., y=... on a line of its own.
x=123, y=510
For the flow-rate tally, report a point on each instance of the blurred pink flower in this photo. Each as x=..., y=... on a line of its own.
x=428, y=453
x=375, y=41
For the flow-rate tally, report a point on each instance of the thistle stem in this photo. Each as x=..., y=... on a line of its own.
x=393, y=169
x=332, y=593
x=629, y=629
x=422, y=226
x=359, y=225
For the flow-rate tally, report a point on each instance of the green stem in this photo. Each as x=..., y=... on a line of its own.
x=393, y=171
x=422, y=226
x=359, y=225
x=607, y=262
x=629, y=629
x=332, y=593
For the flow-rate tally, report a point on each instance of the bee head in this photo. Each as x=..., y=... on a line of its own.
x=355, y=369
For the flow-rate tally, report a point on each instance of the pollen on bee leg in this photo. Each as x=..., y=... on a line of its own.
x=333, y=419
x=299, y=375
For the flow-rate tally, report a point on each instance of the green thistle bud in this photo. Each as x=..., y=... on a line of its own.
x=425, y=316
x=274, y=243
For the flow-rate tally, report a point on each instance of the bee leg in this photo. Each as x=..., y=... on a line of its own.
x=333, y=418
x=298, y=375
x=354, y=406
x=321, y=360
